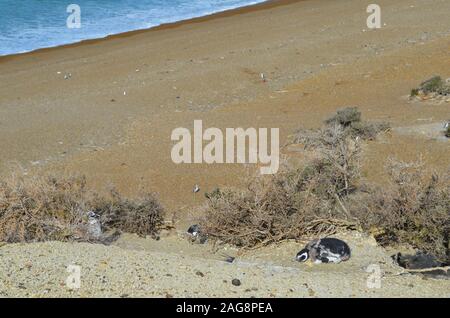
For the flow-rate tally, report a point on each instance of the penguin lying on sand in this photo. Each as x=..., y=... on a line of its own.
x=418, y=261
x=326, y=250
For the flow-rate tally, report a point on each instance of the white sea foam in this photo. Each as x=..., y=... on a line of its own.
x=26, y=25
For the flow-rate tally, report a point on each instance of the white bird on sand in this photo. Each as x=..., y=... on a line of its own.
x=196, y=188
x=263, y=77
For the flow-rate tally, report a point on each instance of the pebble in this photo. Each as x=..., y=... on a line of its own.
x=236, y=282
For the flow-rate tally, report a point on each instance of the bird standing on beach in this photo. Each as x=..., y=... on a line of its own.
x=326, y=250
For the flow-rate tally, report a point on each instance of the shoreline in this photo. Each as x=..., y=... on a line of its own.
x=267, y=4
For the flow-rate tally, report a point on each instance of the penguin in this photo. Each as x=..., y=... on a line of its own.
x=418, y=261
x=194, y=230
x=196, y=234
x=325, y=250
x=94, y=228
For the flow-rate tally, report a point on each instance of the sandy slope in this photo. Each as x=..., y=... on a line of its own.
x=183, y=270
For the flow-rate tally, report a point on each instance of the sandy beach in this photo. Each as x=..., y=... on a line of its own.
x=112, y=121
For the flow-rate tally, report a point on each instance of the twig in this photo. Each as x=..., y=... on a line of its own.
x=342, y=206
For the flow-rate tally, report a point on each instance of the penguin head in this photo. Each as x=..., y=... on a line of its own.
x=92, y=215
x=194, y=230
x=303, y=255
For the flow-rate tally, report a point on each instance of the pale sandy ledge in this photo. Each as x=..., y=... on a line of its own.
x=317, y=55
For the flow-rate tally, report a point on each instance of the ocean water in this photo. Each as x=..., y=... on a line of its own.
x=26, y=25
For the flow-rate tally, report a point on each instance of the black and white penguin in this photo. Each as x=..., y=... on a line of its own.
x=196, y=234
x=326, y=250
x=94, y=228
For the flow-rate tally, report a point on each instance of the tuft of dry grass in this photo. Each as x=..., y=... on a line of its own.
x=269, y=211
x=42, y=208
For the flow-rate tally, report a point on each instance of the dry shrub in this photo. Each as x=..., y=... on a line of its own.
x=348, y=121
x=143, y=216
x=271, y=209
x=297, y=201
x=326, y=194
x=414, y=208
x=434, y=85
x=294, y=203
x=41, y=208
x=339, y=159
x=368, y=130
x=345, y=117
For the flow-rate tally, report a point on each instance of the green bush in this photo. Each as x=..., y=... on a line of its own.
x=432, y=85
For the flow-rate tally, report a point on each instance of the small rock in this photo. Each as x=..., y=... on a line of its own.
x=236, y=282
x=229, y=259
x=198, y=273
